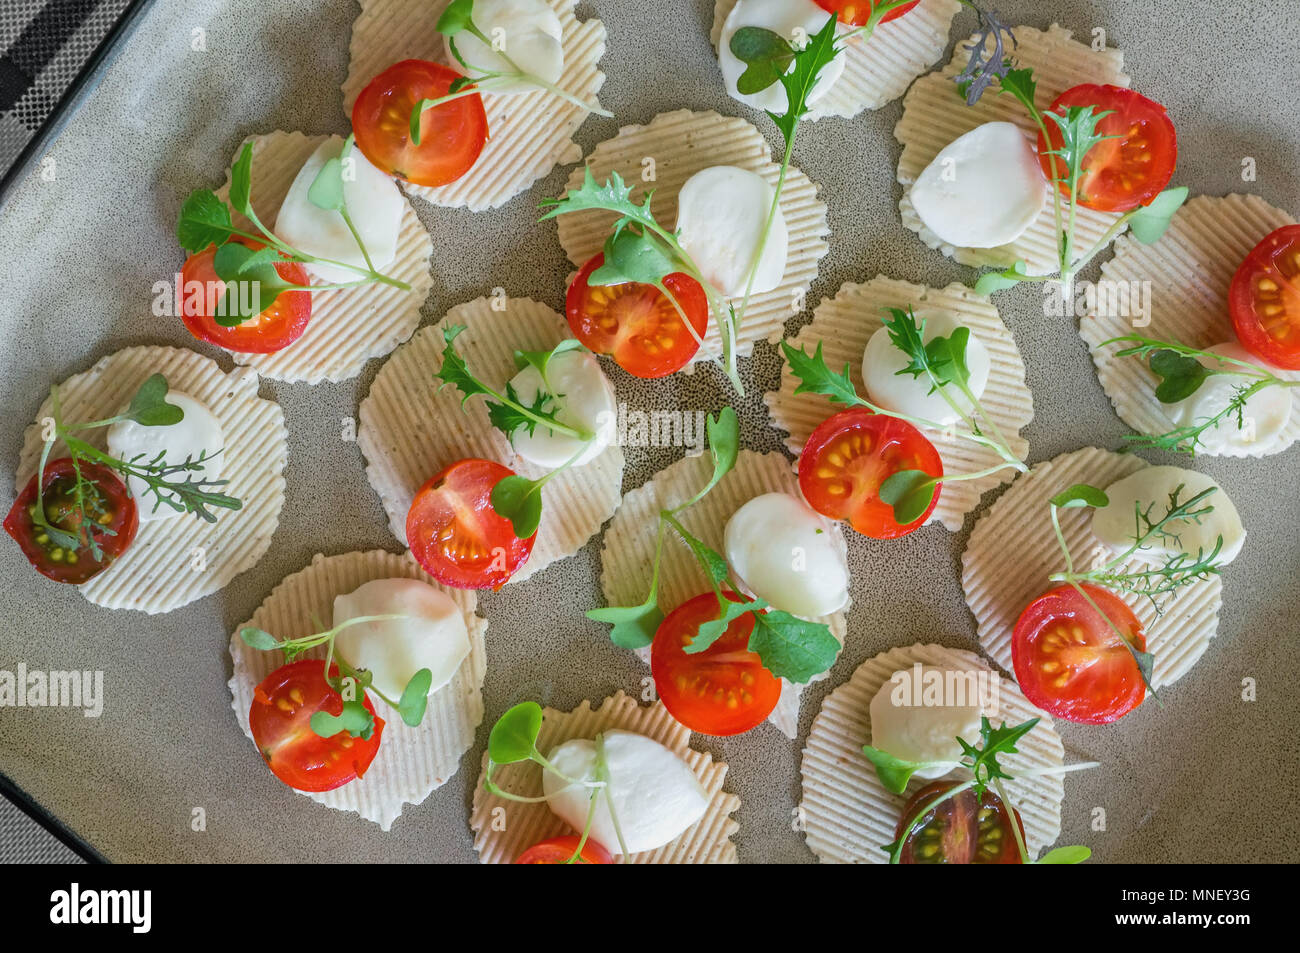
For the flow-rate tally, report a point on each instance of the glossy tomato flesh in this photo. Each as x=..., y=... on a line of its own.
x=857, y=12
x=558, y=850
x=1264, y=299
x=279, y=325
x=959, y=830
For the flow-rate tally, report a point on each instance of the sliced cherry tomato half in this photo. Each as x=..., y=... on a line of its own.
x=1069, y=661
x=1264, y=299
x=1122, y=173
x=850, y=455
x=637, y=325
x=451, y=134
x=724, y=690
x=558, y=850
x=280, y=719
x=107, y=500
x=456, y=535
x=960, y=830
x=857, y=12
x=278, y=326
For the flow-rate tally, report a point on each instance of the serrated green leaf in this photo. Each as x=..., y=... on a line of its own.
x=204, y=220
x=792, y=648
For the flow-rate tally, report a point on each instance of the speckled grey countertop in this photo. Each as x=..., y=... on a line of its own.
x=1207, y=778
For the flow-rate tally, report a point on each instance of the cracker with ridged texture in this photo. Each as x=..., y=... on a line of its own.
x=410, y=429
x=848, y=815
x=935, y=114
x=529, y=134
x=411, y=762
x=844, y=324
x=707, y=841
x=1188, y=272
x=1012, y=551
x=157, y=572
x=682, y=143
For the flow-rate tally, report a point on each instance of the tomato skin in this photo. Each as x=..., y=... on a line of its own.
x=952, y=832
x=872, y=447
x=631, y=322
x=558, y=850
x=1118, y=174
x=1269, y=278
x=59, y=476
x=857, y=12
x=274, y=329
x=279, y=719
x=451, y=135
x=456, y=535
x=1102, y=679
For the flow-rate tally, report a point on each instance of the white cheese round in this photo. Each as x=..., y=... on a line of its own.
x=527, y=31
x=582, y=398
x=1263, y=419
x=721, y=213
x=920, y=712
x=795, y=20
x=198, y=433
x=905, y=394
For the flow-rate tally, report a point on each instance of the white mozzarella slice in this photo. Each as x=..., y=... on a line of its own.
x=196, y=435
x=984, y=189
x=527, y=31
x=905, y=394
x=1116, y=525
x=1263, y=419
x=920, y=712
x=582, y=398
x=794, y=20
x=655, y=795
x=721, y=212
x=432, y=635
x=786, y=553
x=373, y=202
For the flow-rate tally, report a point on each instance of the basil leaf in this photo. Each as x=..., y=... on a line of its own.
x=204, y=220
x=415, y=697
x=514, y=737
x=1148, y=224
x=792, y=648
x=519, y=500
x=1080, y=495
x=766, y=55
x=149, y=406
x=634, y=627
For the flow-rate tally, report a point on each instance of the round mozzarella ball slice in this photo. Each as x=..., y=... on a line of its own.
x=432, y=635
x=794, y=20
x=984, y=189
x=1116, y=524
x=197, y=435
x=721, y=213
x=882, y=363
x=786, y=553
x=581, y=397
x=920, y=712
x=373, y=202
x=527, y=31
x=654, y=794
x=1263, y=419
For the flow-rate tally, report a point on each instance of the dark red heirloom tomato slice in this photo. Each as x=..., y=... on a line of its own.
x=847, y=458
x=451, y=135
x=112, y=507
x=456, y=535
x=280, y=719
x=635, y=324
x=960, y=830
x=1071, y=664
x=857, y=12
x=724, y=690
x=1122, y=173
x=1264, y=299
x=558, y=850
x=278, y=326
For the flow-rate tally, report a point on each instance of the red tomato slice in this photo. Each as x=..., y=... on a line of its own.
x=456, y=535
x=1264, y=299
x=117, y=515
x=636, y=324
x=1071, y=664
x=857, y=12
x=1118, y=174
x=960, y=830
x=274, y=329
x=847, y=458
x=558, y=850
x=451, y=135
x=724, y=690
x=280, y=719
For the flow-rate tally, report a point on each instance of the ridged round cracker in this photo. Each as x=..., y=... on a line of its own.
x=529, y=134
x=505, y=829
x=878, y=71
x=157, y=572
x=1012, y=550
x=351, y=326
x=935, y=114
x=411, y=762
x=1188, y=272
x=628, y=555
x=844, y=324
x=682, y=143
x=410, y=429
x=847, y=814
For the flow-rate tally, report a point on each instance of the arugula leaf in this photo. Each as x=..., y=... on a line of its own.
x=634, y=627
x=910, y=493
x=1080, y=495
x=985, y=67
x=1021, y=84
x=355, y=719
x=514, y=737
x=799, y=81
x=792, y=648
x=1065, y=855
x=519, y=500
x=816, y=378
x=415, y=697
x=1150, y=222
x=204, y=220
x=512, y=414
x=1180, y=376
x=766, y=55
x=454, y=371
x=894, y=773
x=149, y=406
x=992, y=281
x=612, y=196
x=993, y=743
